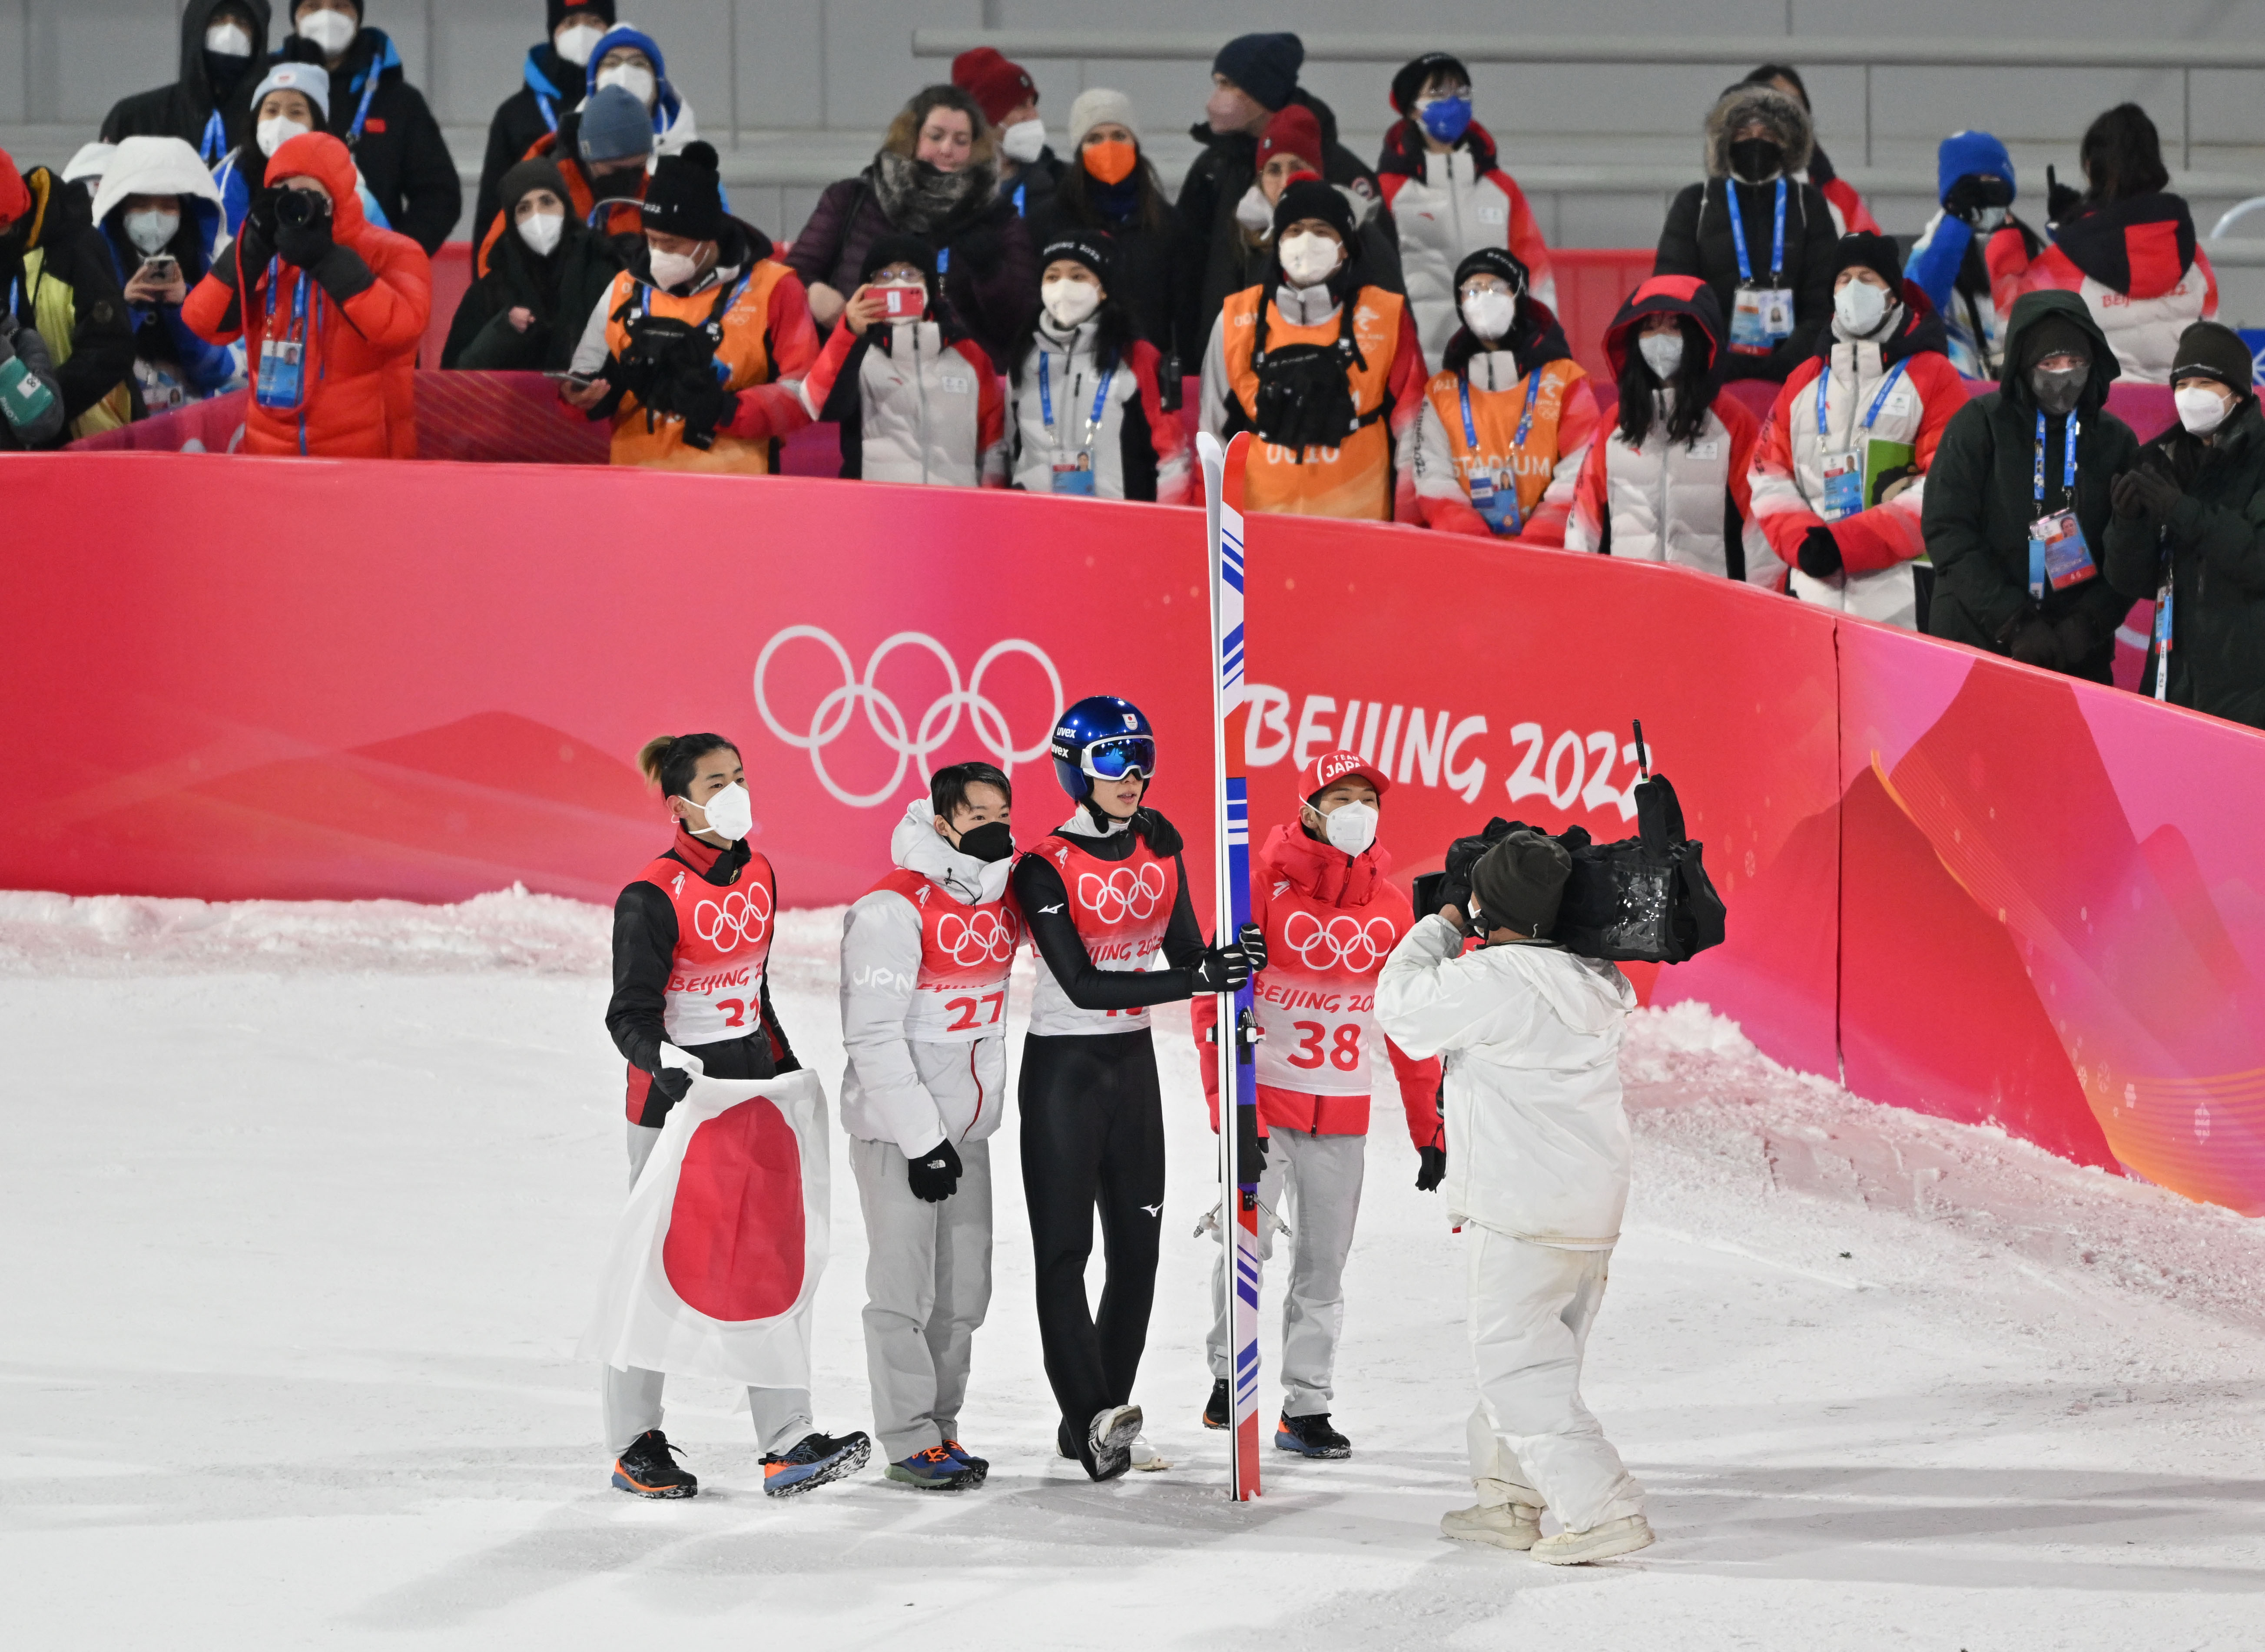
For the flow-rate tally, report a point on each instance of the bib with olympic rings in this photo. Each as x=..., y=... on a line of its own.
x=966, y=953
x=1121, y=909
x=723, y=944
x=1316, y=998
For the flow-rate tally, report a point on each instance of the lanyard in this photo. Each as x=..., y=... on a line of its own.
x=1046, y=398
x=943, y=261
x=215, y=143
x=1825, y=384
x=548, y=108
x=353, y=132
x=2068, y=462
x=298, y=296
x=1525, y=422
x=1739, y=237
x=2163, y=600
x=1021, y=194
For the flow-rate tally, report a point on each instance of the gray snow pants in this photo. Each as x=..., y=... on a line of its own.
x=928, y=1287
x=1314, y=1181
x=631, y=1400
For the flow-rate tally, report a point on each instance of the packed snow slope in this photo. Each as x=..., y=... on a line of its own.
x=301, y=1210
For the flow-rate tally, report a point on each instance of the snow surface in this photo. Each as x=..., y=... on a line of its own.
x=303, y=1207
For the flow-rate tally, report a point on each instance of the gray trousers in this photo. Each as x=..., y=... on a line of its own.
x=630, y=1399
x=928, y=1287
x=1314, y=1183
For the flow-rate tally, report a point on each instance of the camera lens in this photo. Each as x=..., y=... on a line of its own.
x=296, y=208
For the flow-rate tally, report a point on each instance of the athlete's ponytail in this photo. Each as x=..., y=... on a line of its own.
x=667, y=761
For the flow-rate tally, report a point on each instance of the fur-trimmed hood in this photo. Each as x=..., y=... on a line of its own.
x=1787, y=122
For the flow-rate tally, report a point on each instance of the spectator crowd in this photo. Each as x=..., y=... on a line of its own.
x=974, y=309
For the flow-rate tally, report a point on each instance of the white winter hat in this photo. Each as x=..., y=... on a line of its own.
x=1097, y=106
x=89, y=162
x=312, y=79
x=153, y=166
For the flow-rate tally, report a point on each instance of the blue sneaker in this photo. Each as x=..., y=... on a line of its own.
x=934, y=1469
x=981, y=1465
x=1310, y=1436
x=813, y=1460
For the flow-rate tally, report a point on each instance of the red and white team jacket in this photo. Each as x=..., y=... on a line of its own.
x=1121, y=909
x=926, y=409
x=1330, y=923
x=2137, y=266
x=1444, y=208
x=925, y=957
x=1788, y=478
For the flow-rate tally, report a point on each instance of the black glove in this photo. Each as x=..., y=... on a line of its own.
x=1253, y=939
x=260, y=216
x=2156, y=494
x=1819, y=556
x=2074, y=634
x=305, y=244
x=2038, y=643
x=935, y=1174
x=2061, y=201
x=1222, y=970
x=1432, y=1169
x=672, y=1082
x=2125, y=498
x=703, y=404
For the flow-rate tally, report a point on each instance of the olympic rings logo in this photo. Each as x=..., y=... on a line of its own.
x=1124, y=894
x=983, y=937
x=1346, y=942
x=935, y=727
x=745, y=915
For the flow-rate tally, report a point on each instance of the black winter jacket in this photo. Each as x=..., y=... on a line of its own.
x=99, y=352
x=518, y=122
x=403, y=156
x=1981, y=500
x=2214, y=542
x=1696, y=241
x=561, y=290
x=184, y=109
x=1148, y=263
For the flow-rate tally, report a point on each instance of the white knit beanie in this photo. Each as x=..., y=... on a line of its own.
x=1098, y=105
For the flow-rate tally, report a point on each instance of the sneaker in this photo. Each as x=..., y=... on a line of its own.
x=981, y=1465
x=1310, y=1436
x=812, y=1460
x=1145, y=1458
x=648, y=1468
x=1600, y=1542
x=1216, y=1412
x=1108, y=1445
x=934, y=1469
x=1507, y=1526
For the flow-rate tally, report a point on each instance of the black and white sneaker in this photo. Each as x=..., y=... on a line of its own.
x=1310, y=1436
x=1109, y=1441
x=812, y=1460
x=1216, y=1415
x=648, y=1469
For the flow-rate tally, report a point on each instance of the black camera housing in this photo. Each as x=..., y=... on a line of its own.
x=299, y=208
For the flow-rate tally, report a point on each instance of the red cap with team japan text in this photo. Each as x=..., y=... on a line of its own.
x=1332, y=767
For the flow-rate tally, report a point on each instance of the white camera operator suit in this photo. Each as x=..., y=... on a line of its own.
x=1538, y=1171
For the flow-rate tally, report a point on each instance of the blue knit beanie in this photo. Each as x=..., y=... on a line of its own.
x=1970, y=155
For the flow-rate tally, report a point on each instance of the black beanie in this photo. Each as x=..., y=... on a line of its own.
x=1496, y=261
x=526, y=176
x=684, y=196
x=556, y=11
x=2210, y=350
x=1879, y=254
x=1310, y=198
x=1408, y=85
x=1264, y=65
x=899, y=248
x=2055, y=335
x=1095, y=248
x=1519, y=882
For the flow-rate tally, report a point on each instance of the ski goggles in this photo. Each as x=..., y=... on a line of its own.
x=1116, y=758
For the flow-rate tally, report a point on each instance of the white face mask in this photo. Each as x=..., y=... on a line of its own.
x=332, y=31
x=576, y=42
x=1662, y=353
x=730, y=813
x=672, y=269
x=1023, y=141
x=541, y=230
x=1992, y=220
x=1350, y=826
x=2200, y=411
x=1859, y=305
x=1069, y=301
x=1490, y=313
x=150, y=230
x=229, y=40
x=277, y=130
x=1309, y=259
x=1253, y=212
x=633, y=78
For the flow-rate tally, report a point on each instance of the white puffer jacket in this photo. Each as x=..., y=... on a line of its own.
x=1537, y=1137
x=1444, y=208
x=927, y=411
x=1667, y=502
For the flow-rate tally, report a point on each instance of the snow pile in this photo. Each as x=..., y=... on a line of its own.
x=1710, y=1109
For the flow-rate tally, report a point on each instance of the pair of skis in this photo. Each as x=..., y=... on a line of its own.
x=1238, y=1082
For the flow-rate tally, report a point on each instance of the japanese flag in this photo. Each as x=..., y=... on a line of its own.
x=722, y=1242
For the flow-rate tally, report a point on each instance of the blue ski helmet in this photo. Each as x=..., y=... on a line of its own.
x=1101, y=736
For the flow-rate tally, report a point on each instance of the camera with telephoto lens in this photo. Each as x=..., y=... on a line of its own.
x=299, y=208
x=670, y=365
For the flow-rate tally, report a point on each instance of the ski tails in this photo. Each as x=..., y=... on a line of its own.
x=1238, y=1083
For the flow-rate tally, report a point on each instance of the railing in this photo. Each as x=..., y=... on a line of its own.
x=1186, y=45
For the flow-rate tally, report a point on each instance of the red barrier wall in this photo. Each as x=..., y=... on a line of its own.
x=1998, y=895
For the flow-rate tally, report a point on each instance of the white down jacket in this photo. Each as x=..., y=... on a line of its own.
x=1537, y=1139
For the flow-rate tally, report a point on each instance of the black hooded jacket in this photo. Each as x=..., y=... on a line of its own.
x=402, y=155
x=71, y=251
x=184, y=109
x=519, y=122
x=559, y=291
x=1981, y=500
x=1696, y=240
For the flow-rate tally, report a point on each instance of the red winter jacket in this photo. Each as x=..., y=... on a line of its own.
x=366, y=315
x=1331, y=920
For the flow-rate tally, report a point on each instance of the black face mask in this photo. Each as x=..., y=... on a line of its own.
x=1757, y=160
x=223, y=70
x=994, y=841
x=2058, y=392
